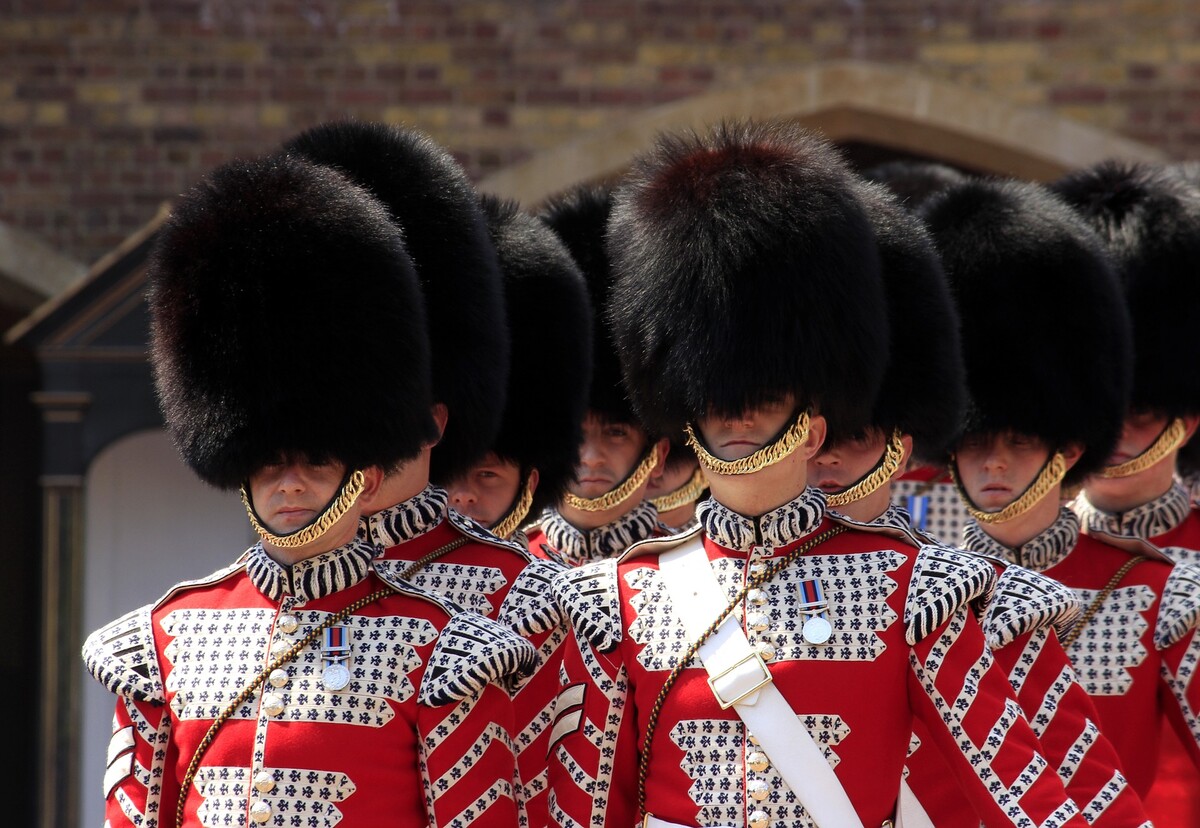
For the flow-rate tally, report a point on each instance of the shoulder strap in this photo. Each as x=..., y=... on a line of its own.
x=740, y=679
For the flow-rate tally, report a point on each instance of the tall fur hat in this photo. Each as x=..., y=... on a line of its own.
x=433, y=201
x=746, y=269
x=913, y=182
x=269, y=282
x=1149, y=218
x=579, y=217
x=1045, y=333
x=924, y=390
x=550, y=318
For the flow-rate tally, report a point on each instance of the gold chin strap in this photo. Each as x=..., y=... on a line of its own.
x=615, y=497
x=512, y=521
x=686, y=493
x=1050, y=476
x=893, y=453
x=766, y=456
x=1170, y=439
x=336, y=510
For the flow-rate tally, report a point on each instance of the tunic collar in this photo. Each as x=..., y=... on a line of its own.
x=408, y=519
x=1046, y=550
x=1147, y=521
x=316, y=577
x=577, y=547
x=777, y=528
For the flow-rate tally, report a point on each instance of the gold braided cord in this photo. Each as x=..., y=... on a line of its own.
x=336, y=510
x=1050, y=476
x=425, y=560
x=1170, y=439
x=752, y=581
x=893, y=453
x=615, y=497
x=512, y=521
x=766, y=456
x=248, y=690
x=687, y=493
x=1101, y=596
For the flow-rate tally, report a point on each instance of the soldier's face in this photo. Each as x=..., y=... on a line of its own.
x=487, y=491
x=735, y=437
x=844, y=463
x=607, y=455
x=996, y=469
x=672, y=478
x=292, y=492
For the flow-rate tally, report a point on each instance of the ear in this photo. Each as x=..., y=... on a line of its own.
x=661, y=448
x=372, y=480
x=1190, y=421
x=440, y=415
x=1071, y=453
x=532, y=480
x=906, y=441
x=817, y=429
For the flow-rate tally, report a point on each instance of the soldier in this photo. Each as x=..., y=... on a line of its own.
x=1149, y=218
x=603, y=511
x=923, y=399
x=682, y=485
x=299, y=684
x=766, y=668
x=422, y=539
x=1042, y=314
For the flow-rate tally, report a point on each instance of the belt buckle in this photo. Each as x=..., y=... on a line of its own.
x=762, y=665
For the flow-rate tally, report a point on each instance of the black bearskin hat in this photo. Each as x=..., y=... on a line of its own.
x=746, y=270
x=579, y=217
x=550, y=318
x=1045, y=333
x=1149, y=218
x=437, y=208
x=913, y=182
x=923, y=392
x=269, y=283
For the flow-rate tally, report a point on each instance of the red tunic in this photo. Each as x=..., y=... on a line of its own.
x=416, y=738
x=858, y=695
x=502, y=581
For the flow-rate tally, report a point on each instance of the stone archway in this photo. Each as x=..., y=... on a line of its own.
x=888, y=106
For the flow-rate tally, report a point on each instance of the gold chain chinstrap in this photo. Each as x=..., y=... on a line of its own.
x=615, y=497
x=336, y=510
x=1052, y=473
x=512, y=521
x=752, y=581
x=1170, y=439
x=687, y=493
x=766, y=456
x=893, y=453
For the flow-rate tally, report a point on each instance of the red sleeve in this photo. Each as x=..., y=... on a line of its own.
x=137, y=783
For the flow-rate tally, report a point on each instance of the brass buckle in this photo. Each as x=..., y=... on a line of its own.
x=762, y=665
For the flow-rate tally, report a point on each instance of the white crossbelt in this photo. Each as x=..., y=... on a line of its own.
x=740, y=679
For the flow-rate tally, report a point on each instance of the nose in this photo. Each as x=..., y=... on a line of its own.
x=292, y=479
x=826, y=460
x=590, y=455
x=996, y=458
x=461, y=496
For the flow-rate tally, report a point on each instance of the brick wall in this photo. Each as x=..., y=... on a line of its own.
x=108, y=107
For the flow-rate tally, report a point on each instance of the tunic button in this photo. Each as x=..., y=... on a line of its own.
x=260, y=812
x=288, y=623
x=279, y=647
x=758, y=789
x=759, y=621
x=278, y=677
x=756, y=596
x=759, y=819
x=766, y=651
x=758, y=568
x=264, y=781
x=757, y=761
x=272, y=704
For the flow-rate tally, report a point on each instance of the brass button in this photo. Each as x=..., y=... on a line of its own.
x=759, y=819
x=758, y=789
x=278, y=677
x=758, y=568
x=264, y=781
x=272, y=704
x=279, y=647
x=757, y=761
x=766, y=651
x=260, y=811
x=759, y=621
x=288, y=623
x=756, y=596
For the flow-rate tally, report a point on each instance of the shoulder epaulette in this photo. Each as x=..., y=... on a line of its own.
x=907, y=534
x=1132, y=545
x=1179, y=610
x=221, y=574
x=943, y=581
x=476, y=531
x=472, y=652
x=122, y=657
x=530, y=606
x=589, y=598
x=1024, y=601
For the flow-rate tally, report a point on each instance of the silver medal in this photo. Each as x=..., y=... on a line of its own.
x=817, y=630
x=336, y=676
